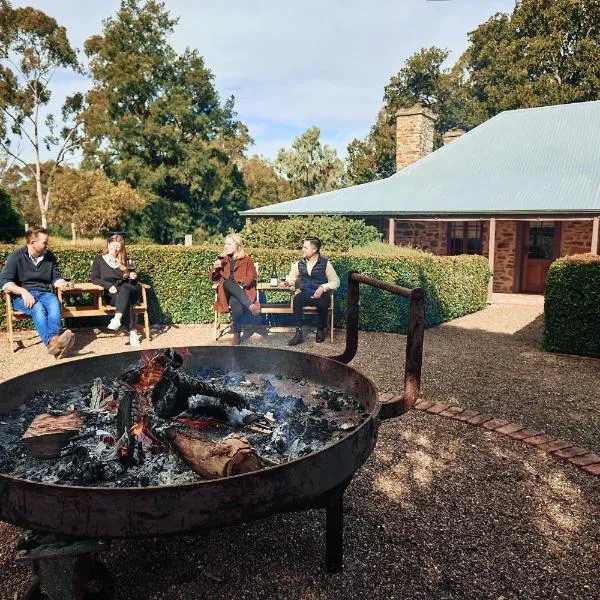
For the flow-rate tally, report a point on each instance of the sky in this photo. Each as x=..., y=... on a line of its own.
x=294, y=64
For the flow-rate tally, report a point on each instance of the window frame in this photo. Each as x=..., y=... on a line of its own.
x=465, y=238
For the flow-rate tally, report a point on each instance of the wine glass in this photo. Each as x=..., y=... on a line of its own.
x=130, y=264
x=67, y=275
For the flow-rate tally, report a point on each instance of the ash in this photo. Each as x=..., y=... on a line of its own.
x=284, y=418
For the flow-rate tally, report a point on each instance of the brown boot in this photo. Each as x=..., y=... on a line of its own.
x=65, y=340
x=54, y=345
x=236, y=339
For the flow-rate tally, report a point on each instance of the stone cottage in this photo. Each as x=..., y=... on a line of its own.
x=523, y=189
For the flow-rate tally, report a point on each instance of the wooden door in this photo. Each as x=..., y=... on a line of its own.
x=541, y=248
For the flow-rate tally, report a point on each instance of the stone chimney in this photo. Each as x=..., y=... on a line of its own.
x=414, y=134
x=451, y=135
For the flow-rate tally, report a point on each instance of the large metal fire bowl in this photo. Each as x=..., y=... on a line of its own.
x=312, y=481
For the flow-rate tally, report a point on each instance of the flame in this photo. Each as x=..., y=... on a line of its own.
x=149, y=375
x=137, y=428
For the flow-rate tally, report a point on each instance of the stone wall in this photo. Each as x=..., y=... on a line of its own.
x=414, y=134
x=505, y=254
x=424, y=235
x=576, y=237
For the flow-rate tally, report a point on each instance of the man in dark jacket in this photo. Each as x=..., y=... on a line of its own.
x=27, y=275
x=317, y=279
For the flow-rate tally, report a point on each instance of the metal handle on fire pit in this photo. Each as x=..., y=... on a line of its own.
x=414, y=338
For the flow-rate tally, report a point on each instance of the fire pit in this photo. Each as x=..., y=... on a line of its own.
x=317, y=480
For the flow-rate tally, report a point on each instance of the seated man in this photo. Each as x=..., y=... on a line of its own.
x=27, y=275
x=317, y=278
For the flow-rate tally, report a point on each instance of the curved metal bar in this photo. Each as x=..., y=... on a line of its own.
x=414, y=337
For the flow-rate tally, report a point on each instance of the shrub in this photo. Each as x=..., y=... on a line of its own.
x=572, y=306
x=338, y=234
x=182, y=292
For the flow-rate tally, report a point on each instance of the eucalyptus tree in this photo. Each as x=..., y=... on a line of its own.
x=155, y=121
x=33, y=47
x=309, y=166
x=545, y=52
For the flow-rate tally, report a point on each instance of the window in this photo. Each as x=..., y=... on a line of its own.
x=541, y=238
x=465, y=237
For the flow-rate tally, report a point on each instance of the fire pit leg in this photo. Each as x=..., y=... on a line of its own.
x=64, y=568
x=334, y=530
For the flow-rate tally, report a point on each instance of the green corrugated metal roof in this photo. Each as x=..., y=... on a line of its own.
x=536, y=160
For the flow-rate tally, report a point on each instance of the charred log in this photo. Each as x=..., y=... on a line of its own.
x=231, y=456
x=48, y=433
x=170, y=395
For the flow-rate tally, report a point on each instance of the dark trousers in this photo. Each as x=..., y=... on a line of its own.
x=302, y=299
x=124, y=300
x=238, y=302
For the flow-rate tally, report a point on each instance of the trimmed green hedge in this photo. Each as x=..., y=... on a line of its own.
x=182, y=292
x=572, y=306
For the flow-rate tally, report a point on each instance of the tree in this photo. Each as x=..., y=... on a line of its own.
x=264, y=186
x=310, y=167
x=546, y=52
x=156, y=122
x=421, y=80
x=91, y=201
x=10, y=223
x=32, y=47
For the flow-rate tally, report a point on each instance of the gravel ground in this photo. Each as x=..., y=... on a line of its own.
x=440, y=510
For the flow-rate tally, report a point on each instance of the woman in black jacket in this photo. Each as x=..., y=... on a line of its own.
x=110, y=270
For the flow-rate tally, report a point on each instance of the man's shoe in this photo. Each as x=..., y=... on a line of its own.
x=297, y=339
x=65, y=341
x=115, y=324
x=236, y=339
x=254, y=308
x=320, y=337
x=54, y=345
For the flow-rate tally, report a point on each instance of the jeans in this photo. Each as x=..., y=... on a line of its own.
x=45, y=313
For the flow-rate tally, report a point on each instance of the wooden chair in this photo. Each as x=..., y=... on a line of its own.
x=11, y=314
x=96, y=308
x=313, y=309
x=221, y=327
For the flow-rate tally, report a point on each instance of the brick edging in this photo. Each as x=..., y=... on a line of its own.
x=588, y=462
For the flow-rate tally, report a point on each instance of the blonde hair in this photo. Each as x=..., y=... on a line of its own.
x=122, y=254
x=239, y=245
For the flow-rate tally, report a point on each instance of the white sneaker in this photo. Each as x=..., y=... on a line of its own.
x=134, y=338
x=115, y=324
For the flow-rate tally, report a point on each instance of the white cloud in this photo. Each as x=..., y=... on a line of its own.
x=301, y=63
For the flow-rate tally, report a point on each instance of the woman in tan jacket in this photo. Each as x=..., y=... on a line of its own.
x=235, y=275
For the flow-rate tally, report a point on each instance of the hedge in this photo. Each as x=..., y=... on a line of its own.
x=182, y=292
x=572, y=306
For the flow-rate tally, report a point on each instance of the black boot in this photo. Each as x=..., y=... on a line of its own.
x=320, y=337
x=297, y=339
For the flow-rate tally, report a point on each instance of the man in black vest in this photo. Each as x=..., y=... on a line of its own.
x=317, y=278
x=28, y=274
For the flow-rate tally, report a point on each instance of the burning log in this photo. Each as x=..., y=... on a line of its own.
x=231, y=456
x=48, y=434
x=159, y=388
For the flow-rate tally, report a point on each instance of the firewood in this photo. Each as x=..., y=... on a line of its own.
x=231, y=456
x=47, y=433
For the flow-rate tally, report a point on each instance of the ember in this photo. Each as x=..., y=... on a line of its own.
x=157, y=424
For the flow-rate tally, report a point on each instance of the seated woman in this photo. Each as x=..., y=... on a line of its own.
x=235, y=275
x=120, y=283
